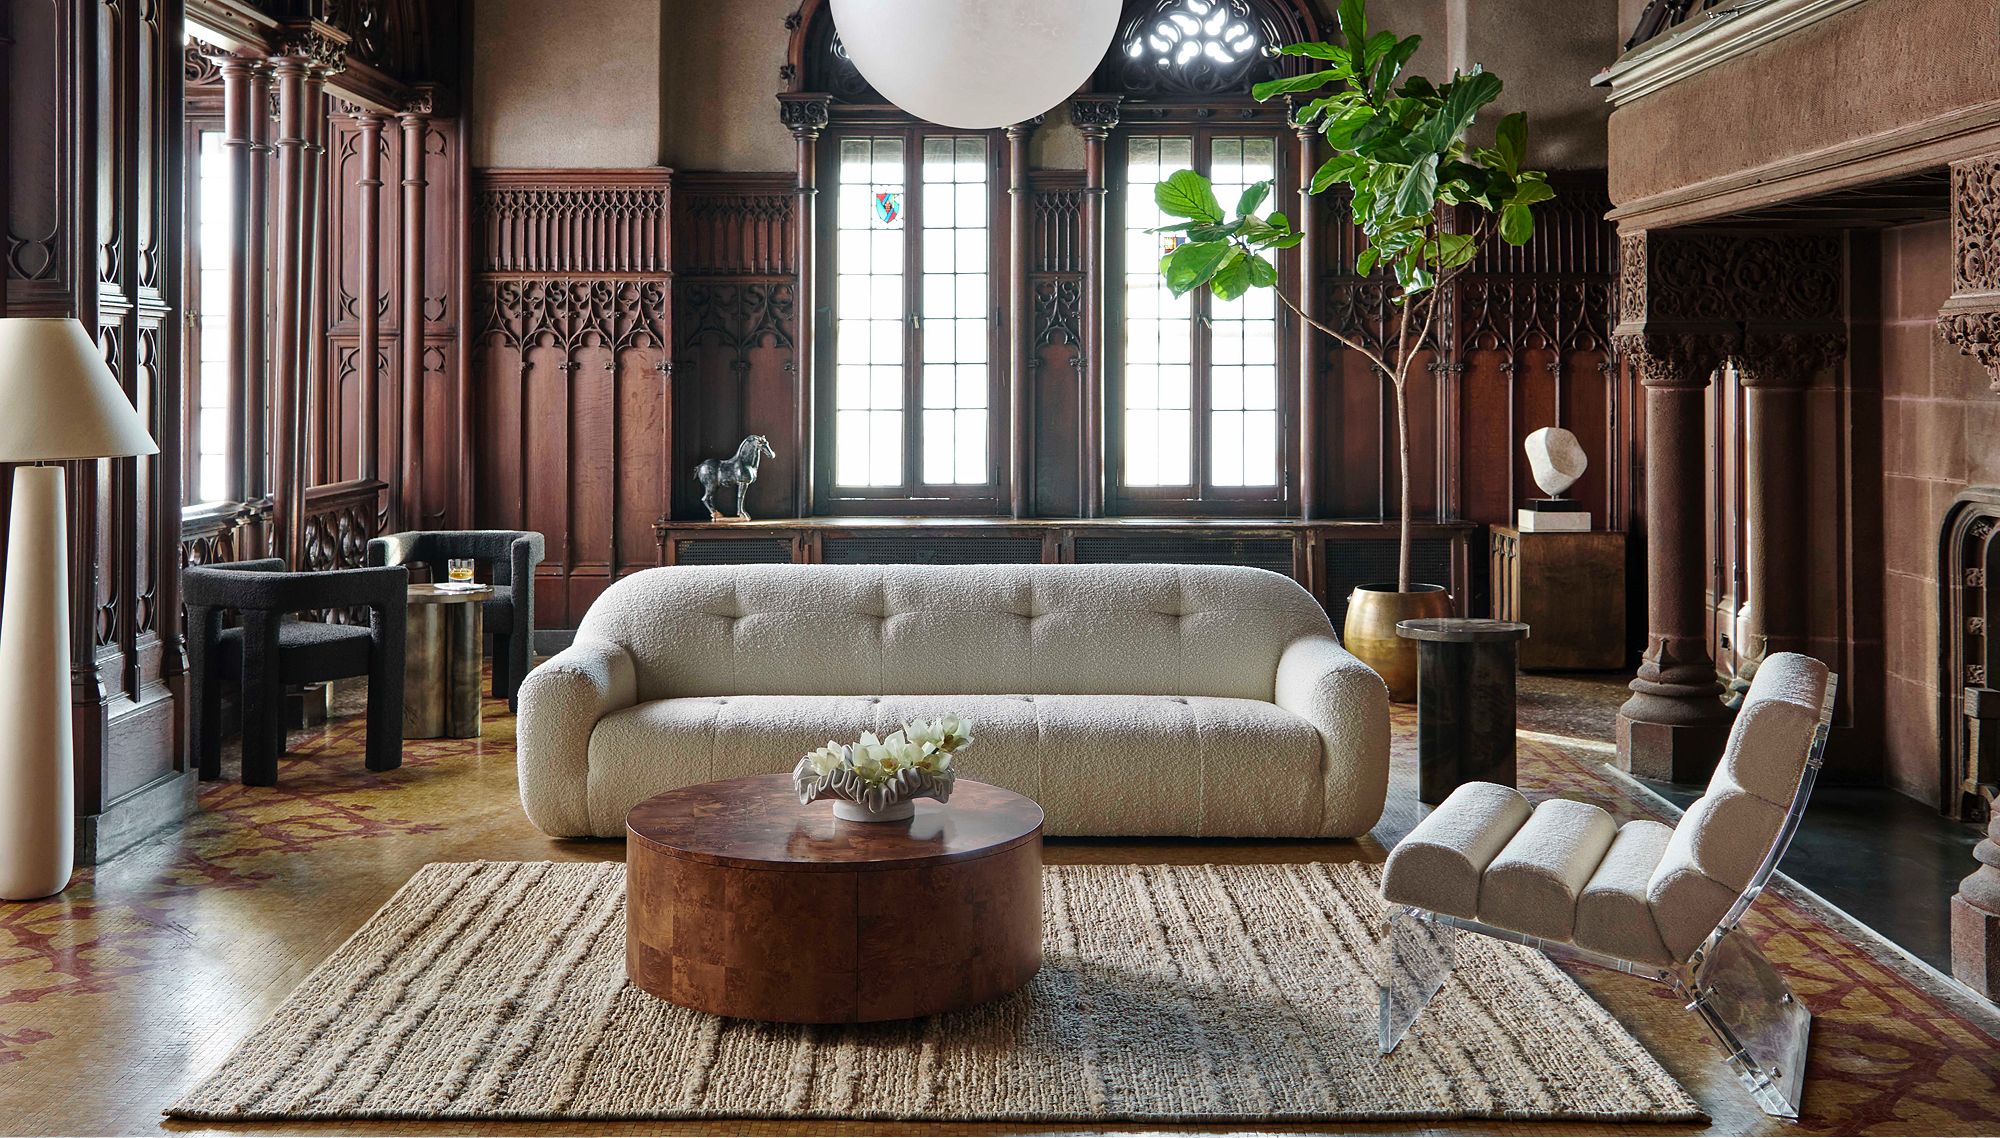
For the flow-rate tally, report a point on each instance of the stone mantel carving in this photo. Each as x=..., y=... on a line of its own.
x=1970, y=318
x=1772, y=302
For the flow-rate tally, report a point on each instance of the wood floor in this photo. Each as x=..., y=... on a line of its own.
x=142, y=977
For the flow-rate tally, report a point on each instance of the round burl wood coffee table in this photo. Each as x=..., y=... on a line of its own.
x=741, y=902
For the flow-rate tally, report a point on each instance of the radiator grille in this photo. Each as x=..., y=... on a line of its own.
x=733, y=551
x=930, y=549
x=1273, y=553
x=1371, y=560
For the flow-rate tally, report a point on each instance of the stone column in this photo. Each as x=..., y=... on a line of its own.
x=1095, y=116
x=1776, y=370
x=255, y=300
x=1674, y=725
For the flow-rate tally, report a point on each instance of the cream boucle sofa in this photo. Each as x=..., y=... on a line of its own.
x=1127, y=699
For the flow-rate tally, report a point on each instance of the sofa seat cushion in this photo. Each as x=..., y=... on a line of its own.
x=1099, y=764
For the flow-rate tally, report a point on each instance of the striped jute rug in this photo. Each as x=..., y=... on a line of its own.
x=496, y=990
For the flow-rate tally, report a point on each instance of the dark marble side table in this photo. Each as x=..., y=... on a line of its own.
x=443, y=643
x=1465, y=701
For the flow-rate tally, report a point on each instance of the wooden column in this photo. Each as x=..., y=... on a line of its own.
x=368, y=289
x=288, y=266
x=255, y=300
x=313, y=461
x=805, y=115
x=1095, y=116
x=1776, y=370
x=239, y=140
x=1020, y=326
x=1309, y=336
x=406, y=473
x=1673, y=726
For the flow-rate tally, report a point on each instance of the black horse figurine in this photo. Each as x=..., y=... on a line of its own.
x=741, y=470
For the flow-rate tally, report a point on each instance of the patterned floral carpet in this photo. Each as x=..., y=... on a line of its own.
x=278, y=876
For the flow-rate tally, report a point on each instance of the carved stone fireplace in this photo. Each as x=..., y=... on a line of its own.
x=1969, y=720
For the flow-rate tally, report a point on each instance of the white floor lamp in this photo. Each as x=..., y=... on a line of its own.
x=58, y=402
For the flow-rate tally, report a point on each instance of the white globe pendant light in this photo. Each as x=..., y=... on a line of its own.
x=975, y=64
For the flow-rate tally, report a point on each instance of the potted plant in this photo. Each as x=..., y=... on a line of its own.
x=1399, y=147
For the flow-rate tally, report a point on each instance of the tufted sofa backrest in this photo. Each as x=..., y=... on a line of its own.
x=1211, y=630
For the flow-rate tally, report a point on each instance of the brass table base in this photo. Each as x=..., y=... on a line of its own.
x=444, y=642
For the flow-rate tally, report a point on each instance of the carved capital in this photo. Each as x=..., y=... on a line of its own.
x=805, y=115
x=320, y=53
x=420, y=102
x=1025, y=128
x=1788, y=359
x=1970, y=319
x=1095, y=115
x=1674, y=359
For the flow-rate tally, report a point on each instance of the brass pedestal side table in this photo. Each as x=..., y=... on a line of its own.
x=444, y=643
x=1465, y=702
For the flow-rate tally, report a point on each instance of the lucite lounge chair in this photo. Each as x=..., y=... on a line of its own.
x=1644, y=898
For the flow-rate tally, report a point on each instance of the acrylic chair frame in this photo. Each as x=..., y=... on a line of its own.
x=1760, y=1025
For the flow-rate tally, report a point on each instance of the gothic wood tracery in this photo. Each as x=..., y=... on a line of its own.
x=571, y=340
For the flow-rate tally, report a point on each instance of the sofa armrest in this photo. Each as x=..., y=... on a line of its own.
x=1348, y=704
x=561, y=702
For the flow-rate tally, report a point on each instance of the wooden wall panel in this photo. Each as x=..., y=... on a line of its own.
x=90, y=206
x=735, y=333
x=572, y=425
x=1055, y=286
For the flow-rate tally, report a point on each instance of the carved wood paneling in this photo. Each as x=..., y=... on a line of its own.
x=90, y=209
x=735, y=332
x=573, y=420
x=1056, y=261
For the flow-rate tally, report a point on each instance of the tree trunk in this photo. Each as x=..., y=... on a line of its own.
x=1403, y=469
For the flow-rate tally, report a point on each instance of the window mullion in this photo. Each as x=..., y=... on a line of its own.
x=913, y=301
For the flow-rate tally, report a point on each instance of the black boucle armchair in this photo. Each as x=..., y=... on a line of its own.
x=507, y=560
x=270, y=649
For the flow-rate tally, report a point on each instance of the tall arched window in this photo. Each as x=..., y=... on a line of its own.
x=910, y=410
x=1199, y=392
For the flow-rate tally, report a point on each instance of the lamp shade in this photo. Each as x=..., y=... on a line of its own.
x=57, y=399
x=975, y=64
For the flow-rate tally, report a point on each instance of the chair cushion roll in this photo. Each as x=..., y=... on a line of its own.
x=1533, y=884
x=1774, y=729
x=1438, y=867
x=1612, y=916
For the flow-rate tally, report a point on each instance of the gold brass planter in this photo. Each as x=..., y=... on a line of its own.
x=1370, y=632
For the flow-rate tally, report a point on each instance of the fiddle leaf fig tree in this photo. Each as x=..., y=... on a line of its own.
x=1400, y=149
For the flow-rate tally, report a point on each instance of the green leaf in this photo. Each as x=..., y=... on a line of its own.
x=1528, y=193
x=1190, y=266
x=1451, y=250
x=1253, y=196
x=1332, y=52
x=1233, y=278
x=1336, y=169
x=1392, y=64
x=1263, y=274
x=1418, y=191
x=1365, y=263
x=1517, y=223
x=1510, y=142
x=1462, y=101
x=1310, y=81
x=1354, y=26
x=1188, y=194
